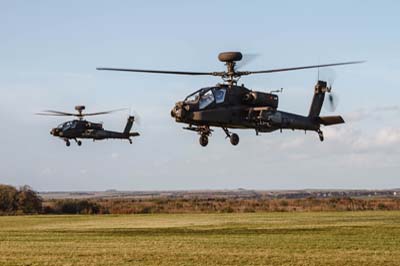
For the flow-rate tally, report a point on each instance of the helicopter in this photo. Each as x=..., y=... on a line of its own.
x=230, y=106
x=83, y=129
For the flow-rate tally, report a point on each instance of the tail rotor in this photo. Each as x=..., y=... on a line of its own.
x=136, y=115
x=329, y=75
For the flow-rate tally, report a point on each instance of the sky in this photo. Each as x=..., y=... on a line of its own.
x=49, y=51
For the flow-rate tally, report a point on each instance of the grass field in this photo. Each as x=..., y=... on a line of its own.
x=324, y=238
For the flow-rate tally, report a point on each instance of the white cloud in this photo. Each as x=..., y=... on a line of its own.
x=389, y=108
x=83, y=171
x=114, y=155
x=370, y=113
x=384, y=140
x=388, y=136
x=47, y=171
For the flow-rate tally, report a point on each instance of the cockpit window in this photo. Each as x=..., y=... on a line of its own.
x=219, y=94
x=206, y=99
x=67, y=125
x=206, y=96
x=192, y=98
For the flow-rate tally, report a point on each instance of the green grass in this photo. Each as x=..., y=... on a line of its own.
x=324, y=238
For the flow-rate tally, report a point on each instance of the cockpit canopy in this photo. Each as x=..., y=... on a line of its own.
x=79, y=124
x=67, y=125
x=206, y=96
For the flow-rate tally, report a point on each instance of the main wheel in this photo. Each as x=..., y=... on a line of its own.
x=234, y=138
x=68, y=143
x=203, y=140
x=79, y=143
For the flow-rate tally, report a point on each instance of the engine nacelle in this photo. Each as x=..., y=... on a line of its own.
x=258, y=99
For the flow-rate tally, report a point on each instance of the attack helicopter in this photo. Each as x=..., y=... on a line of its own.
x=230, y=106
x=82, y=129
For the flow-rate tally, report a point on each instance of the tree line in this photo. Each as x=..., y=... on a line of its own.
x=24, y=200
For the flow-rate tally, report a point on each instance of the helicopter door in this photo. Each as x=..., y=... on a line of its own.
x=206, y=99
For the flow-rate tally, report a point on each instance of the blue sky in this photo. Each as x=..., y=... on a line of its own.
x=49, y=51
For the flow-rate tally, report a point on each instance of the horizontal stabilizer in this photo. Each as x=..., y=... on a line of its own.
x=331, y=120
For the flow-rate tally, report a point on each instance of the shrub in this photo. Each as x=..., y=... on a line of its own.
x=73, y=206
x=382, y=206
x=24, y=200
x=8, y=199
x=29, y=201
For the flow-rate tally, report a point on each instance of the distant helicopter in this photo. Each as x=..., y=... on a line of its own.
x=228, y=105
x=83, y=129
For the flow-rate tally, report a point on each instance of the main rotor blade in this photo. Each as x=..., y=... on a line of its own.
x=45, y=114
x=298, y=68
x=160, y=71
x=57, y=113
x=247, y=59
x=104, y=113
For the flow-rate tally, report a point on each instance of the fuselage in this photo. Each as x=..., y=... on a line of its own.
x=238, y=107
x=82, y=129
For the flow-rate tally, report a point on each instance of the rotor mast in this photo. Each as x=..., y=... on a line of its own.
x=80, y=109
x=230, y=59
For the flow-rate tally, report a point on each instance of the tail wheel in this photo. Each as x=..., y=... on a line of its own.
x=234, y=138
x=321, y=135
x=203, y=140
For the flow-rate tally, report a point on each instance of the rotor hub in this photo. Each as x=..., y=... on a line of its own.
x=80, y=109
x=230, y=58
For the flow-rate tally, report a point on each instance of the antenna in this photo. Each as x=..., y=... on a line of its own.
x=277, y=91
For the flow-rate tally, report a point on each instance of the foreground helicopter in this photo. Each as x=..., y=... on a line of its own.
x=230, y=106
x=83, y=129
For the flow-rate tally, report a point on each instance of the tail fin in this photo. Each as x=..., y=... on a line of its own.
x=318, y=99
x=331, y=120
x=129, y=125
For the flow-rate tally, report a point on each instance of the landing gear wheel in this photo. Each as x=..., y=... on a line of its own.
x=67, y=143
x=130, y=141
x=203, y=140
x=234, y=138
x=79, y=143
x=320, y=135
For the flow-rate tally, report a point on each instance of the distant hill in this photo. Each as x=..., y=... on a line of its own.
x=222, y=194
